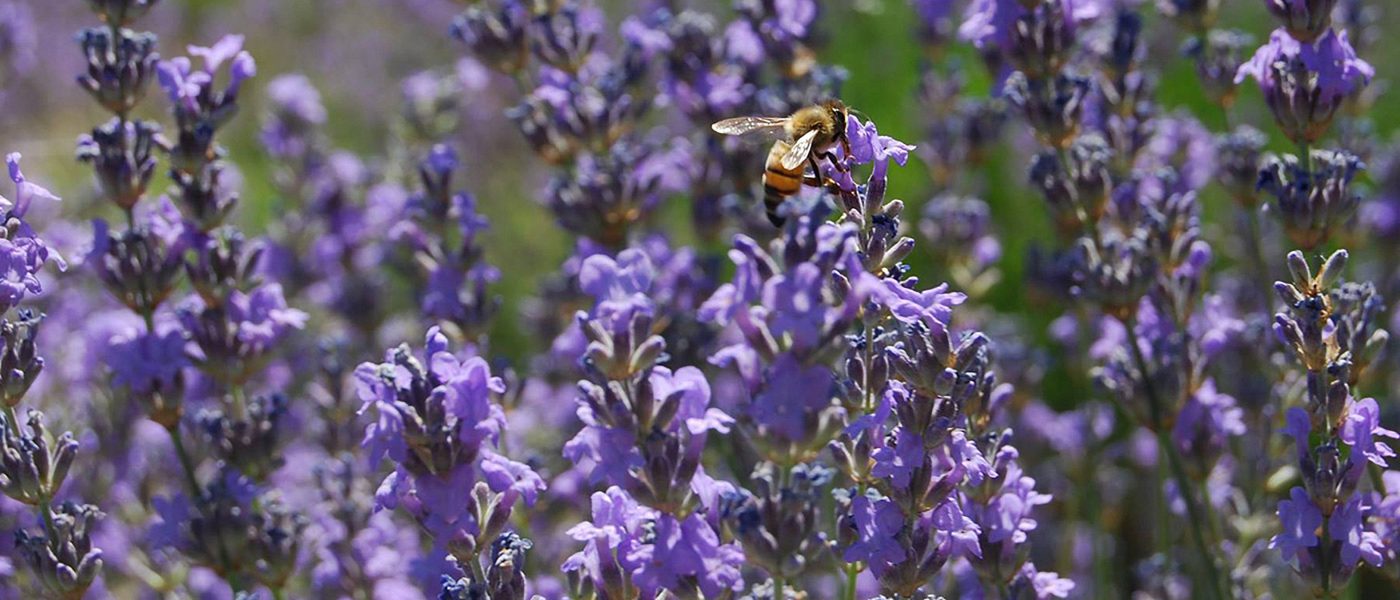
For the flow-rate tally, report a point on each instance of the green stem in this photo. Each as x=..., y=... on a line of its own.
x=46, y=509
x=1305, y=157
x=186, y=464
x=13, y=419
x=478, y=574
x=852, y=574
x=1255, y=247
x=1218, y=587
x=1094, y=520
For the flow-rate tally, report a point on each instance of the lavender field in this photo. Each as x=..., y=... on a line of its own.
x=659, y=299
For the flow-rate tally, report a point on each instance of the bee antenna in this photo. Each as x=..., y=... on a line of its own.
x=858, y=113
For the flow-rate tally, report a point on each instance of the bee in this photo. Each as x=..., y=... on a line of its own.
x=802, y=138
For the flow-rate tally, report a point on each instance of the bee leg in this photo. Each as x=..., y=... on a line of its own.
x=831, y=157
x=816, y=179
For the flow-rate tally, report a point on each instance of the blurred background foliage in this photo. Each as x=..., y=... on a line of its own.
x=357, y=52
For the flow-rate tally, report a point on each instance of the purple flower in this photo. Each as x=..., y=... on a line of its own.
x=1206, y=420
x=742, y=44
x=1338, y=70
x=1347, y=525
x=798, y=310
x=1360, y=430
x=1047, y=584
x=899, y=461
x=263, y=317
x=1216, y=326
x=932, y=307
x=605, y=454
x=955, y=533
x=22, y=253
x=17, y=38
x=878, y=523
x=1007, y=517
x=145, y=362
x=793, y=393
x=1303, y=19
x=25, y=191
x=933, y=13
x=181, y=86
x=621, y=279
x=435, y=418
x=1305, y=83
x=896, y=392
x=467, y=390
x=227, y=48
x=296, y=113
x=733, y=298
x=960, y=460
x=1181, y=143
x=1300, y=519
x=382, y=552
x=611, y=538
x=505, y=475
x=1298, y=426
x=989, y=24
x=383, y=437
x=436, y=500
x=295, y=95
x=868, y=146
x=689, y=549
x=695, y=412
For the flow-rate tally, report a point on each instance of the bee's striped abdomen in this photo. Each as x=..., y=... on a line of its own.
x=779, y=183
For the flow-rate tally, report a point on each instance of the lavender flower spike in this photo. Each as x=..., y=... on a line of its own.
x=1305, y=83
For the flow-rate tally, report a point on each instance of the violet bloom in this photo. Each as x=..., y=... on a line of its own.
x=1359, y=543
x=1300, y=519
x=1007, y=519
x=17, y=40
x=1305, y=20
x=1206, y=422
x=1361, y=429
x=878, y=523
x=146, y=362
x=609, y=453
x=1182, y=144
x=262, y=317
x=611, y=538
x=1045, y=584
x=1034, y=38
x=437, y=421
x=935, y=20
x=296, y=114
x=191, y=90
x=898, y=462
x=990, y=24
x=955, y=534
x=22, y=253
x=379, y=558
x=1305, y=83
x=785, y=320
x=678, y=552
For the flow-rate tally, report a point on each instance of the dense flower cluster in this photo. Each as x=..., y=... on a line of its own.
x=631, y=358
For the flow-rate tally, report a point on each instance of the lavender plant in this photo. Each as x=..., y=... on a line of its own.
x=609, y=375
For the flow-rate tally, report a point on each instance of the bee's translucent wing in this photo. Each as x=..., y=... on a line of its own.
x=800, y=149
x=772, y=126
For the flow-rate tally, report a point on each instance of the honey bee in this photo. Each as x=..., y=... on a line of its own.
x=802, y=138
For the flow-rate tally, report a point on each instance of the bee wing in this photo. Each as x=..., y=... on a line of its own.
x=774, y=126
x=800, y=149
